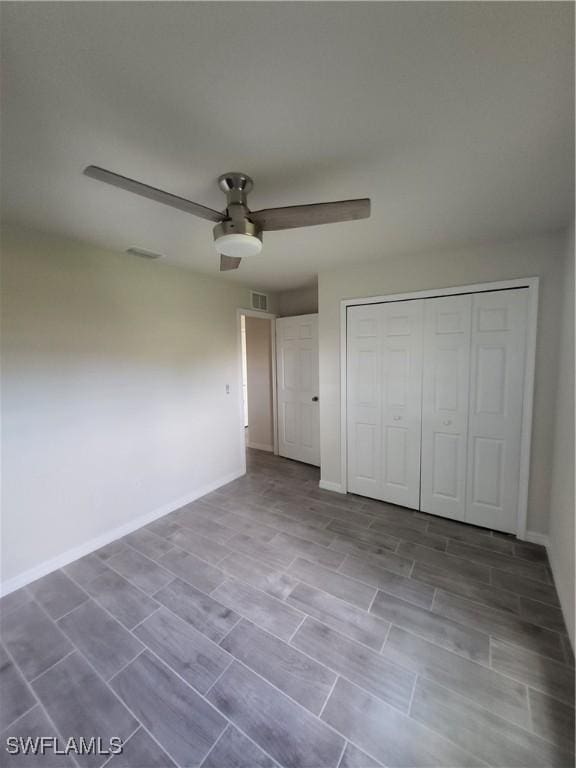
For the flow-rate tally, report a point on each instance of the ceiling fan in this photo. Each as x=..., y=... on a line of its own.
x=238, y=230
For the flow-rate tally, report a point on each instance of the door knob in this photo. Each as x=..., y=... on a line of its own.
x=315, y=399
x=397, y=418
x=447, y=422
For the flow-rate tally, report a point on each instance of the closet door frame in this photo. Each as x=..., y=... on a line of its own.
x=532, y=285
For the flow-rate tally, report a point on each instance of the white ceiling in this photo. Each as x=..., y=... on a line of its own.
x=455, y=118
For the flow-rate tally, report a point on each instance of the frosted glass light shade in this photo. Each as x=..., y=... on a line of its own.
x=238, y=245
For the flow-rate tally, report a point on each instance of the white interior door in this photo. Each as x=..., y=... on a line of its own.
x=297, y=377
x=385, y=401
x=496, y=401
x=445, y=390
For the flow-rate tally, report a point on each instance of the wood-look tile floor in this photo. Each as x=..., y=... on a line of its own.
x=272, y=623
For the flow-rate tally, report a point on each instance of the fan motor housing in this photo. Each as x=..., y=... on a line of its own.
x=237, y=227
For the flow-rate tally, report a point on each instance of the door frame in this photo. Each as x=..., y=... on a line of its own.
x=272, y=320
x=532, y=284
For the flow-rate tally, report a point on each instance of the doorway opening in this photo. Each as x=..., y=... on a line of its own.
x=258, y=371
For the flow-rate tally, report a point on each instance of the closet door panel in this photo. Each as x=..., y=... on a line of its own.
x=496, y=401
x=401, y=377
x=384, y=401
x=363, y=400
x=445, y=394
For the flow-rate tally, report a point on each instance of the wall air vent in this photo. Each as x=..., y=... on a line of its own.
x=259, y=301
x=144, y=254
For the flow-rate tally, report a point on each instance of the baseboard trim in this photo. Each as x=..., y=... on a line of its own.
x=542, y=538
x=260, y=447
x=70, y=555
x=328, y=485
x=563, y=597
x=537, y=538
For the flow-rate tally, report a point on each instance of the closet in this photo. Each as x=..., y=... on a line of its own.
x=435, y=402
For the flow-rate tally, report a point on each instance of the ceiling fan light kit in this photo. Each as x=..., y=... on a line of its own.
x=238, y=238
x=238, y=232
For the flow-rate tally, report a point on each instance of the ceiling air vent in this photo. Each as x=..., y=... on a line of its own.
x=144, y=254
x=259, y=301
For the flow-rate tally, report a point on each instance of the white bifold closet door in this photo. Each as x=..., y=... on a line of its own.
x=498, y=350
x=385, y=401
x=445, y=388
x=434, y=404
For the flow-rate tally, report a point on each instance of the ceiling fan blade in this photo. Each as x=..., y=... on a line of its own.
x=158, y=195
x=293, y=216
x=229, y=262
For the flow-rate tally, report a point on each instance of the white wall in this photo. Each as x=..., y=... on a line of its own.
x=561, y=543
x=397, y=274
x=259, y=380
x=114, y=404
x=300, y=301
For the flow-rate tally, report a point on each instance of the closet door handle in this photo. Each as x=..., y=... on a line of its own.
x=397, y=418
x=447, y=422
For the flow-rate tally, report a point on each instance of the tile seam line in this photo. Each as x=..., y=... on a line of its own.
x=290, y=645
x=39, y=703
x=111, y=757
x=330, y=594
x=348, y=637
x=139, y=624
x=337, y=764
x=107, y=684
x=388, y=631
x=224, y=716
x=73, y=650
x=178, y=548
x=338, y=570
x=485, y=709
x=557, y=745
x=428, y=728
x=235, y=658
x=149, y=559
x=452, y=556
x=393, y=573
x=233, y=579
x=484, y=667
x=353, y=578
x=516, y=646
x=484, y=585
x=429, y=678
x=432, y=642
x=504, y=614
x=56, y=619
x=213, y=747
x=19, y=717
x=147, y=595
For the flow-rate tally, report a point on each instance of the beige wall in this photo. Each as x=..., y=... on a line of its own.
x=114, y=403
x=561, y=545
x=301, y=301
x=259, y=380
x=534, y=257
